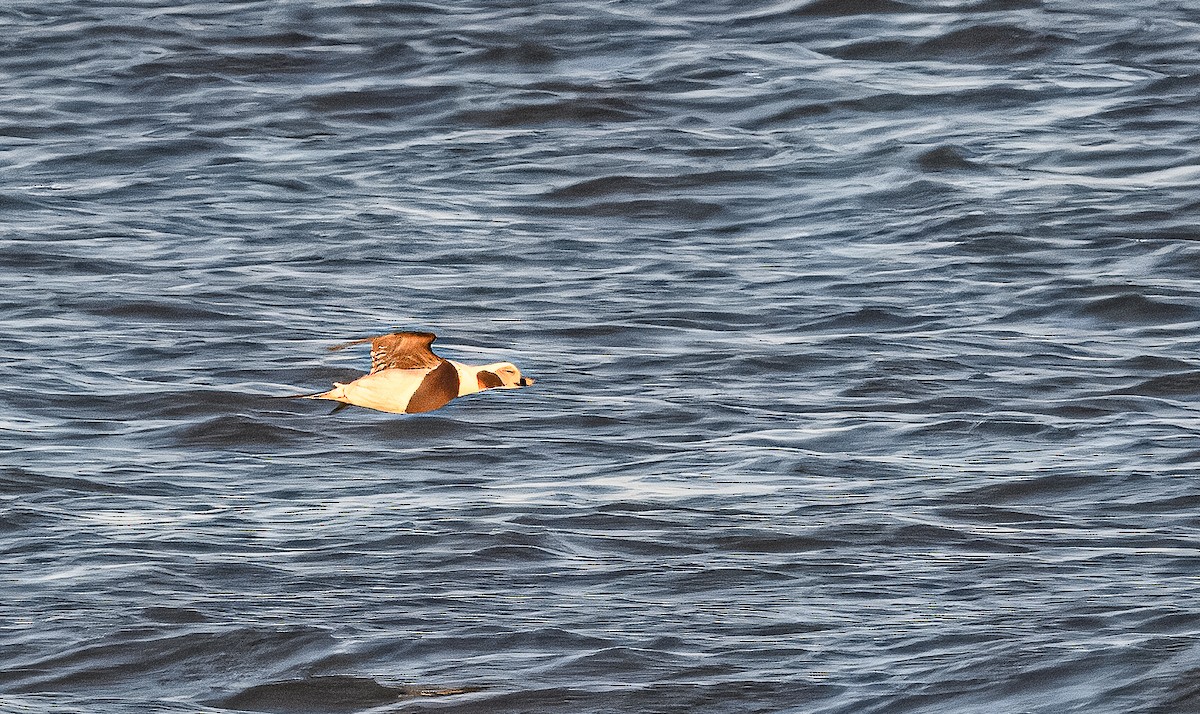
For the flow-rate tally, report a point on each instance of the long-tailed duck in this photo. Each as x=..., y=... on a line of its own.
x=406, y=377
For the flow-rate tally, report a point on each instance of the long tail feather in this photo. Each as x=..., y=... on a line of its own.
x=314, y=395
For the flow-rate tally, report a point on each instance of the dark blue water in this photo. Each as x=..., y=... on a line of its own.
x=866, y=335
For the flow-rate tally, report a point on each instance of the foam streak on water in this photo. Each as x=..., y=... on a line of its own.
x=865, y=334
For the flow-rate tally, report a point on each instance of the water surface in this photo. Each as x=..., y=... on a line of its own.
x=865, y=334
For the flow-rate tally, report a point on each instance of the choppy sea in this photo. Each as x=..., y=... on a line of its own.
x=866, y=336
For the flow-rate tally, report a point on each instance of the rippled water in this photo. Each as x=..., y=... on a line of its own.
x=865, y=334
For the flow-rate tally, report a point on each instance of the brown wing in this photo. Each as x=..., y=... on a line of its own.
x=399, y=350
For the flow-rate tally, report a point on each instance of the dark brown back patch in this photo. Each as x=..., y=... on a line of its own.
x=487, y=379
x=436, y=390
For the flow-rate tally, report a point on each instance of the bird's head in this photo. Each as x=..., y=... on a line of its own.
x=502, y=375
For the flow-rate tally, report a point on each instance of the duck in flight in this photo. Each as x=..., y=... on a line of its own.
x=406, y=377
